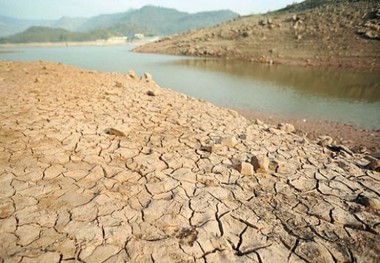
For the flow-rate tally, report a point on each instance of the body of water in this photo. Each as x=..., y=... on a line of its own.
x=345, y=96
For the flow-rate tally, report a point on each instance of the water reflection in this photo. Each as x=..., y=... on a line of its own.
x=336, y=95
x=329, y=83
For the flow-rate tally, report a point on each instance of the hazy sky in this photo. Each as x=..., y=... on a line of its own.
x=54, y=9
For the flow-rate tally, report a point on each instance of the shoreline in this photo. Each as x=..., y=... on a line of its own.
x=84, y=43
x=350, y=64
x=353, y=136
x=358, y=139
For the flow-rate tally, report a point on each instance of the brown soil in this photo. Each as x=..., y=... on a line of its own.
x=334, y=33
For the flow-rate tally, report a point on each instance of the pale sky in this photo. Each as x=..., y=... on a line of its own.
x=54, y=9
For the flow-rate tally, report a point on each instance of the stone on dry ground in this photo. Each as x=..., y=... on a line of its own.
x=148, y=191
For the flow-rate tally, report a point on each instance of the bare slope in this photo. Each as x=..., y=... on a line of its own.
x=338, y=33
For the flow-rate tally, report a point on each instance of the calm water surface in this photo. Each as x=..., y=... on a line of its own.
x=345, y=96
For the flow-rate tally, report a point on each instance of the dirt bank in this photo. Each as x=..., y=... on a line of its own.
x=105, y=167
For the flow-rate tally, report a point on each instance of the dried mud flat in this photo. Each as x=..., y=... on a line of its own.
x=104, y=167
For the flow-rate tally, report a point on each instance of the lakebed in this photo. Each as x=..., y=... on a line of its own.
x=110, y=167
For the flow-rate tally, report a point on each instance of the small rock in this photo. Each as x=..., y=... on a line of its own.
x=340, y=148
x=374, y=203
x=274, y=165
x=286, y=127
x=246, y=169
x=148, y=77
x=118, y=84
x=274, y=131
x=112, y=131
x=230, y=142
x=260, y=164
x=245, y=34
x=132, y=74
x=366, y=201
x=360, y=149
x=151, y=93
x=325, y=141
x=262, y=22
x=216, y=148
x=261, y=124
x=371, y=34
x=374, y=164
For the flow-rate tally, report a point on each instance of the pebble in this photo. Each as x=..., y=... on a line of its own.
x=246, y=169
x=260, y=164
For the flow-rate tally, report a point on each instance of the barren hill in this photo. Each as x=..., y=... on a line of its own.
x=315, y=32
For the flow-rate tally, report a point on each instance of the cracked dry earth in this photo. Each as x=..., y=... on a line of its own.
x=105, y=167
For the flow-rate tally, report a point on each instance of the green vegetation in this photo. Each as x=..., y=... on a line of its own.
x=149, y=20
x=47, y=34
x=152, y=20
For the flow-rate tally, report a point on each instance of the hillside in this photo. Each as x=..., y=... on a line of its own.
x=315, y=32
x=149, y=20
x=69, y=23
x=165, y=21
x=10, y=26
x=47, y=34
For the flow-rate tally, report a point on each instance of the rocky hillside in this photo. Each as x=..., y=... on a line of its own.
x=316, y=32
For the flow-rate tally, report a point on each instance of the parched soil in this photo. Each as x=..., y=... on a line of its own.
x=337, y=33
x=105, y=167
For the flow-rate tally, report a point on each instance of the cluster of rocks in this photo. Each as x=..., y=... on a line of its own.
x=371, y=25
x=95, y=168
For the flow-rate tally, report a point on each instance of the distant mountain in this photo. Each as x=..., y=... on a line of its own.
x=48, y=34
x=69, y=23
x=157, y=20
x=103, y=21
x=149, y=20
x=10, y=25
x=169, y=21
